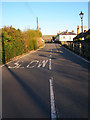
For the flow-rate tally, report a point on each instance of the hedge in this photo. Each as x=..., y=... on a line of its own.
x=15, y=42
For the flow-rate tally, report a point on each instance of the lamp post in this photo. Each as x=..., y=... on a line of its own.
x=81, y=16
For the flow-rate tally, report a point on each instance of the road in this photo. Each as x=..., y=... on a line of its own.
x=49, y=83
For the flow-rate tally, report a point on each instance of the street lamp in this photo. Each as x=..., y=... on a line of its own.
x=81, y=16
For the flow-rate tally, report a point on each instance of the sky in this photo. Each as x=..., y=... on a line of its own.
x=52, y=16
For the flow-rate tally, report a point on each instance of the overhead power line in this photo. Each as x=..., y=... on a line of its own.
x=30, y=9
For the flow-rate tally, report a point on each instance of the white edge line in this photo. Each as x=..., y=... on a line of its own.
x=76, y=55
x=22, y=56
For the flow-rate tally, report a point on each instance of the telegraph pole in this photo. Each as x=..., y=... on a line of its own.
x=37, y=24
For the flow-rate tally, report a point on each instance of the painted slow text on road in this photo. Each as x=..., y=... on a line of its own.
x=32, y=64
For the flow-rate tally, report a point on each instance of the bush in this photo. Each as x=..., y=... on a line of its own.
x=15, y=42
x=87, y=38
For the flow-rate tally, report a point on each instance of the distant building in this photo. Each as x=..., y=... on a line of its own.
x=65, y=36
x=48, y=38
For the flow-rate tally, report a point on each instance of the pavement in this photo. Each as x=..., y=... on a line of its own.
x=50, y=83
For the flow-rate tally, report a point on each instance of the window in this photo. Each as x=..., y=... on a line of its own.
x=70, y=37
x=63, y=37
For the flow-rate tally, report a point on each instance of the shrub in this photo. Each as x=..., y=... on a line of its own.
x=15, y=42
x=87, y=38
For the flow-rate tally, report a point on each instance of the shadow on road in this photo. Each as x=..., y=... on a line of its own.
x=32, y=95
x=71, y=57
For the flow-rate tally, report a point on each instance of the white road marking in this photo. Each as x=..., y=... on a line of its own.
x=49, y=64
x=32, y=66
x=42, y=63
x=53, y=110
x=50, y=55
x=17, y=65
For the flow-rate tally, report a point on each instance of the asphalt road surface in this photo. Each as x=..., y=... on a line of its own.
x=49, y=83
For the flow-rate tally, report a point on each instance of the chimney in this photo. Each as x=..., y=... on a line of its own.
x=59, y=31
x=67, y=31
x=72, y=31
x=85, y=31
x=78, y=29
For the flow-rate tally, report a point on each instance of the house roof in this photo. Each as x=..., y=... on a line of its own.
x=80, y=35
x=69, y=33
x=65, y=33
